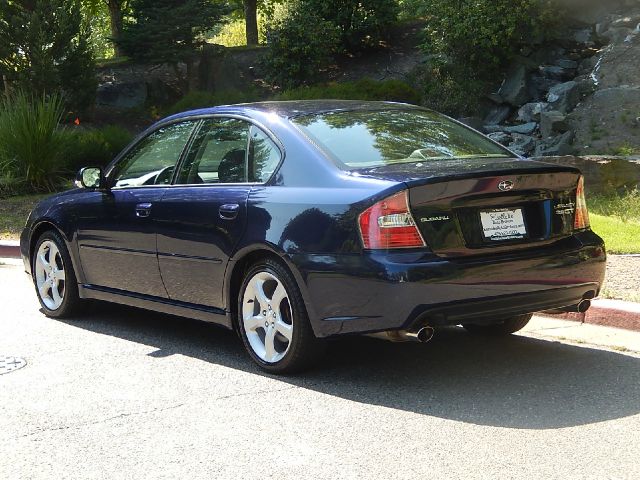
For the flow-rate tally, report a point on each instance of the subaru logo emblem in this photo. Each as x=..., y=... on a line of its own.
x=505, y=185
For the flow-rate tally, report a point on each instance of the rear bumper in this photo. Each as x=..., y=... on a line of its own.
x=381, y=291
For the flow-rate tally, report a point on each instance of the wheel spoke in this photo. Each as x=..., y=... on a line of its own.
x=279, y=294
x=53, y=253
x=44, y=262
x=55, y=294
x=269, y=345
x=61, y=276
x=253, y=323
x=43, y=289
x=284, y=329
x=258, y=290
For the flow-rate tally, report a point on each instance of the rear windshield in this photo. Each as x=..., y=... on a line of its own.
x=363, y=139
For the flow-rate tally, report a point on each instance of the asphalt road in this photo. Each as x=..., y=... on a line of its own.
x=123, y=393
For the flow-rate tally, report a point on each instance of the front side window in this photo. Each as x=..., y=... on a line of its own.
x=366, y=139
x=153, y=159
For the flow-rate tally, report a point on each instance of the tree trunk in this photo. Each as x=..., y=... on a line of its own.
x=251, y=21
x=115, y=15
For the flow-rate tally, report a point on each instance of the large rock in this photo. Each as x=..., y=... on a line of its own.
x=553, y=122
x=523, y=145
x=515, y=88
x=567, y=63
x=500, y=137
x=530, y=112
x=619, y=35
x=122, y=95
x=564, y=97
x=524, y=129
x=555, y=146
x=497, y=114
x=556, y=72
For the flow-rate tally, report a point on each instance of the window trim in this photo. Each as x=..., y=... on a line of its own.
x=198, y=120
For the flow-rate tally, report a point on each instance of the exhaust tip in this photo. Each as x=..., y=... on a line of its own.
x=583, y=306
x=425, y=334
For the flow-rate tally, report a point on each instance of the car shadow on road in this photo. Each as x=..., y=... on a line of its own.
x=514, y=382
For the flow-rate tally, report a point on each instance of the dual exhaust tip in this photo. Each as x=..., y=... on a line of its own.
x=422, y=335
x=581, y=307
x=425, y=334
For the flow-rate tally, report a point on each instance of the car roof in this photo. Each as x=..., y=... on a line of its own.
x=294, y=108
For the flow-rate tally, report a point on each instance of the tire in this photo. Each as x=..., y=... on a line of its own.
x=54, y=278
x=273, y=322
x=505, y=327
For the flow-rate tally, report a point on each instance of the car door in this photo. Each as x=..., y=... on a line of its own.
x=116, y=228
x=203, y=216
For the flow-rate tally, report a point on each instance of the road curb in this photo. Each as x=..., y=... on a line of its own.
x=608, y=313
x=9, y=249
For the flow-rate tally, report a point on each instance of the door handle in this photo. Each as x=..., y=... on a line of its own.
x=229, y=211
x=143, y=210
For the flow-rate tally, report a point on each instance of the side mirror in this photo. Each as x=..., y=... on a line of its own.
x=90, y=177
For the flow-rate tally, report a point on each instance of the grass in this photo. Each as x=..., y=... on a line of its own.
x=614, y=294
x=616, y=218
x=14, y=212
x=619, y=236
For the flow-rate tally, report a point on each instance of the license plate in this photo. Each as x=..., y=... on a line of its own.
x=503, y=224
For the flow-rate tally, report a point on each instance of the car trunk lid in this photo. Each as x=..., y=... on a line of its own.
x=474, y=206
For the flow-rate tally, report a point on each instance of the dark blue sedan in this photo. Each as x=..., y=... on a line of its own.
x=291, y=222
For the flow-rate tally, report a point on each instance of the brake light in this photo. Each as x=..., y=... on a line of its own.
x=582, y=215
x=389, y=224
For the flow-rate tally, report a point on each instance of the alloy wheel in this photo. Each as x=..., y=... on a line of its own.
x=267, y=317
x=50, y=275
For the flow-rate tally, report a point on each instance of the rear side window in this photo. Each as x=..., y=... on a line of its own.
x=218, y=153
x=365, y=139
x=228, y=150
x=264, y=156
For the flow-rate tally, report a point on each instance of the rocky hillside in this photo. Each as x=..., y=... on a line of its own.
x=578, y=93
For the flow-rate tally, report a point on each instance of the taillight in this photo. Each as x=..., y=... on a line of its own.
x=582, y=215
x=389, y=224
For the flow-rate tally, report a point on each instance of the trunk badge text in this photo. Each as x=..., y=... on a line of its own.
x=505, y=185
x=435, y=219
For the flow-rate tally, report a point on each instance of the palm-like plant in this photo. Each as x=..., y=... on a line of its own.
x=31, y=139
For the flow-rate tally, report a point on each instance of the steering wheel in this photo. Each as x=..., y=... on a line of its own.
x=162, y=178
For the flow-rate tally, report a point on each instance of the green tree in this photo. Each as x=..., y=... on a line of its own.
x=169, y=31
x=471, y=41
x=362, y=23
x=44, y=48
x=114, y=11
x=484, y=34
x=300, y=46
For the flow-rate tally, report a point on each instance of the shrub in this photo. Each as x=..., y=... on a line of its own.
x=484, y=34
x=365, y=89
x=201, y=99
x=299, y=47
x=362, y=23
x=93, y=147
x=447, y=89
x=31, y=140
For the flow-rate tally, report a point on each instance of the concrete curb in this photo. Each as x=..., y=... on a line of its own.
x=9, y=249
x=608, y=313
